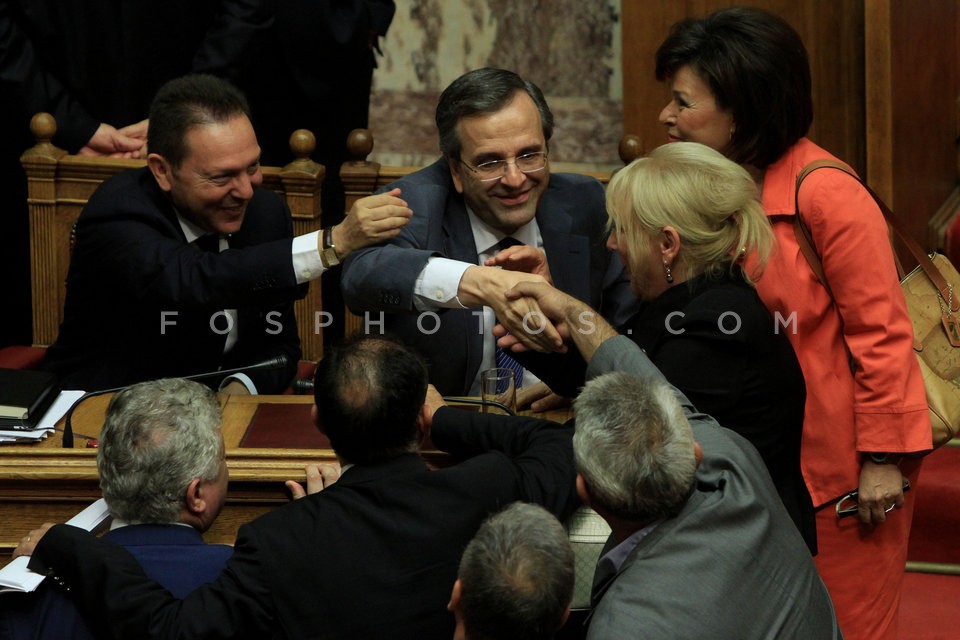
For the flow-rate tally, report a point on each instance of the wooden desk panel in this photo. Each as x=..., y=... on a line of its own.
x=43, y=482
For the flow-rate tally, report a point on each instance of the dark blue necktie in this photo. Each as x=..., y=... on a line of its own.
x=209, y=242
x=503, y=358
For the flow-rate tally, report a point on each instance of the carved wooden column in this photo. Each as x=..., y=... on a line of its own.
x=359, y=177
x=40, y=163
x=302, y=182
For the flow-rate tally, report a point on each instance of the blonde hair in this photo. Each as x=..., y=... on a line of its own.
x=711, y=202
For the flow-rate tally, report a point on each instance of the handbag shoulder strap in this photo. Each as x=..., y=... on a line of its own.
x=805, y=239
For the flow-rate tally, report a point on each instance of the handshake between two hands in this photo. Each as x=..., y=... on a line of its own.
x=529, y=310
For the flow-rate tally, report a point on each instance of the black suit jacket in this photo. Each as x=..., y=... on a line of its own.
x=93, y=62
x=572, y=220
x=373, y=556
x=140, y=298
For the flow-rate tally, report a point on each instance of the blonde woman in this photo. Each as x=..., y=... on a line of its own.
x=683, y=218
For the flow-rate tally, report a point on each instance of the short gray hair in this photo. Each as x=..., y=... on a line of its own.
x=157, y=438
x=634, y=447
x=516, y=575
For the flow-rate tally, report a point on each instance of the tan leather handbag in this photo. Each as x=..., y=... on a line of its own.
x=932, y=291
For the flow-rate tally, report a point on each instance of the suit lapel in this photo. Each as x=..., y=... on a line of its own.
x=458, y=241
x=458, y=244
x=567, y=254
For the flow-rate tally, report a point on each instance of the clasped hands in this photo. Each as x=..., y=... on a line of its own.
x=529, y=309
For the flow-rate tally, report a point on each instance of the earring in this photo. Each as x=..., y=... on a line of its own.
x=667, y=271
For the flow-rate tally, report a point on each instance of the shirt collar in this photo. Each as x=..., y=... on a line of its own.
x=486, y=237
x=190, y=231
x=117, y=523
x=619, y=554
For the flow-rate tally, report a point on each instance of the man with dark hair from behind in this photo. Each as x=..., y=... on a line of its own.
x=161, y=465
x=516, y=577
x=372, y=555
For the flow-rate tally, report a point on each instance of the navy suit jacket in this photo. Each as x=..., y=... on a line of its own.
x=373, y=556
x=140, y=298
x=572, y=220
x=175, y=556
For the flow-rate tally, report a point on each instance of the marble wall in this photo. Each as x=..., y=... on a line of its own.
x=569, y=48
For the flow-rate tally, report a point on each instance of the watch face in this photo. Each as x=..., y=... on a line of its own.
x=329, y=257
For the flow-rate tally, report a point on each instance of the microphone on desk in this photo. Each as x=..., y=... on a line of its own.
x=276, y=362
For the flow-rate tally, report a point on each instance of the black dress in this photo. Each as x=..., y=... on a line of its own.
x=714, y=340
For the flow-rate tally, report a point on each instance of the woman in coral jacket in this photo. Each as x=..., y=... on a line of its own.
x=740, y=83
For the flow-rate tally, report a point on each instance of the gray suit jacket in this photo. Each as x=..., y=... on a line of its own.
x=572, y=219
x=730, y=565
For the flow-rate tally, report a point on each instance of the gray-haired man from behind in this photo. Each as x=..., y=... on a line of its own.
x=701, y=545
x=161, y=466
x=515, y=579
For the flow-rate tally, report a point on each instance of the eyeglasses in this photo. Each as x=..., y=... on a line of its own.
x=844, y=510
x=496, y=169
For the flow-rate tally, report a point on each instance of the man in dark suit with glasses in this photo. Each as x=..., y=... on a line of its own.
x=492, y=188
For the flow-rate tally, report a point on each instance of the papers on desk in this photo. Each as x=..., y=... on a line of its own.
x=45, y=425
x=17, y=577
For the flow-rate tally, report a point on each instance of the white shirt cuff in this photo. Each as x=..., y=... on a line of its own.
x=437, y=284
x=307, y=265
x=243, y=379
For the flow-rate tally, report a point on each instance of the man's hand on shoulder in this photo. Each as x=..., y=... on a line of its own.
x=29, y=542
x=371, y=220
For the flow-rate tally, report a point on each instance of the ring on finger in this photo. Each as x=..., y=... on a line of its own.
x=890, y=508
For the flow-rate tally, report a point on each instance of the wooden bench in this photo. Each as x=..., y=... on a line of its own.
x=59, y=184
